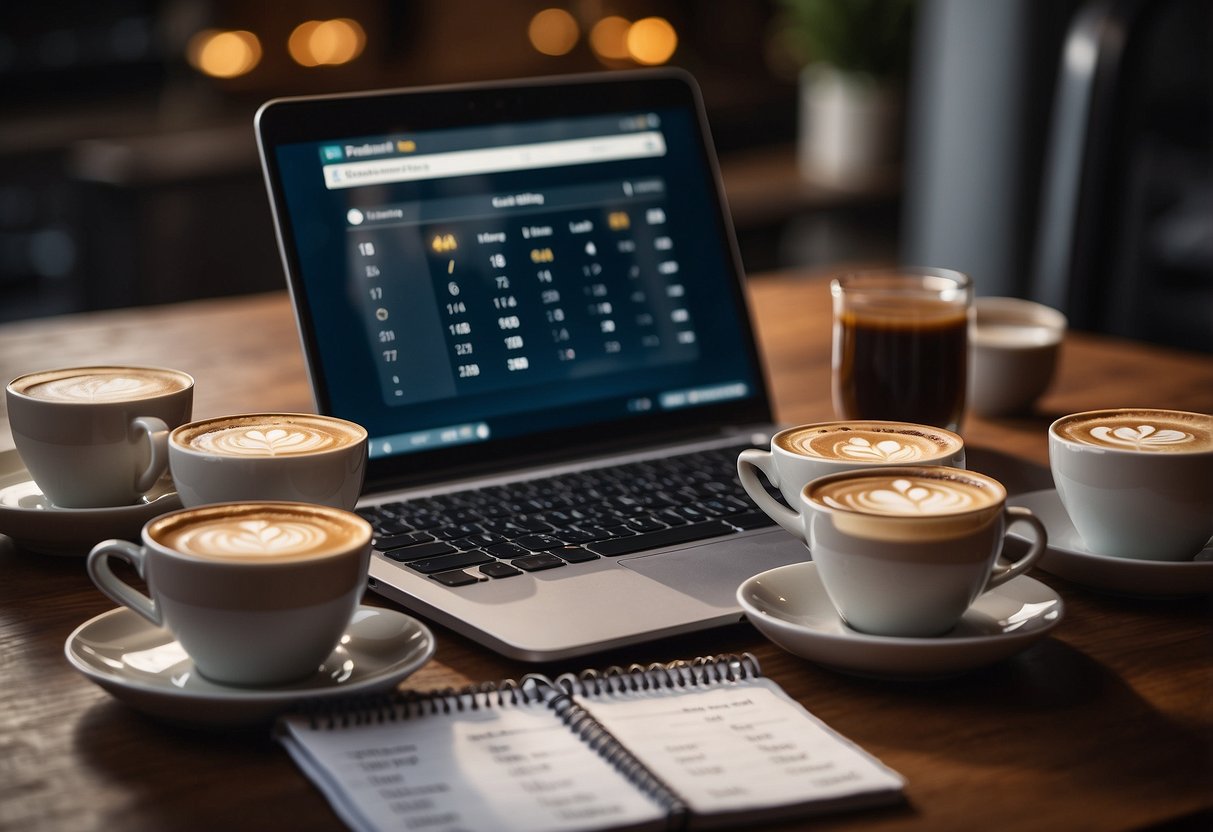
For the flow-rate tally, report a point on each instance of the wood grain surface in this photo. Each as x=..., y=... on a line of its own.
x=1105, y=725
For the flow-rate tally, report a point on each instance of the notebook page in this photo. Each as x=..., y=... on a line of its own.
x=501, y=768
x=739, y=746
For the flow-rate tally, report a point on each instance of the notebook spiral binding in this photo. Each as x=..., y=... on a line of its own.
x=533, y=687
x=700, y=672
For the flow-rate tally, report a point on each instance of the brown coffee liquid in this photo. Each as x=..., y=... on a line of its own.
x=907, y=362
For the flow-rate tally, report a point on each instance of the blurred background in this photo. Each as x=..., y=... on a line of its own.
x=1054, y=149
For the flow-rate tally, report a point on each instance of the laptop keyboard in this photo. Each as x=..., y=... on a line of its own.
x=502, y=531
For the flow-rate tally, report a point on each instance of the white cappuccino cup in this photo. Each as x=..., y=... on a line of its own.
x=269, y=456
x=906, y=551
x=1136, y=482
x=255, y=593
x=1013, y=350
x=95, y=437
x=800, y=454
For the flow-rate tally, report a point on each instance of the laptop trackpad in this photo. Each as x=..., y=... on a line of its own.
x=711, y=572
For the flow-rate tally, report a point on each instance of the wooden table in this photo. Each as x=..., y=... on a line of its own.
x=1107, y=724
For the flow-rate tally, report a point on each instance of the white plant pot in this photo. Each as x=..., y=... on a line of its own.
x=849, y=127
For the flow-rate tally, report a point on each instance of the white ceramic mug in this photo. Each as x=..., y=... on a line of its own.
x=803, y=453
x=906, y=551
x=1014, y=346
x=96, y=437
x=255, y=593
x=269, y=456
x=1136, y=482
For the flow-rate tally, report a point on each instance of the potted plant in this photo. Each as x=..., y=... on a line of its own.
x=854, y=55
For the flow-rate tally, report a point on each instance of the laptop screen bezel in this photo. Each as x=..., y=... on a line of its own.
x=310, y=119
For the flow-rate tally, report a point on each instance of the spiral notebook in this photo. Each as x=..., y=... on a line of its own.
x=698, y=744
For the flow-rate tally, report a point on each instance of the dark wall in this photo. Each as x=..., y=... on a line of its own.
x=128, y=177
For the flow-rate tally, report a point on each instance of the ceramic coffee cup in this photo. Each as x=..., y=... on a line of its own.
x=96, y=437
x=1014, y=346
x=1136, y=482
x=806, y=452
x=906, y=551
x=269, y=456
x=255, y=593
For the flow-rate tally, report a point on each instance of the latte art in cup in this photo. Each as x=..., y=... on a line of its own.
x=1136, y=482
x=257, y=593
x=801, y=454
x=301, y=457
x=258, y=532
x=906, y=496
x=269, y=435
x=102, y=384
x=97, y=436
x=904, y=551
x=1150, y=431
x=871, y=442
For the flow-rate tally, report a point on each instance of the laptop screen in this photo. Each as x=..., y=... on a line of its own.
x=518, y=277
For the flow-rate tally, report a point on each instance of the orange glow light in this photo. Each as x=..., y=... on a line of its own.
x=651, y=41
x=223, y=54
x=553, y=32
x=299, y=43
x=609, y=38
x=326, y=42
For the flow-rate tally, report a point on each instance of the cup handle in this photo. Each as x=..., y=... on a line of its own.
x=156, y=432
x=1004, y=571
x=747, y=461
x=117, y=589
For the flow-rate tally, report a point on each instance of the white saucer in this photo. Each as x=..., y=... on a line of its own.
x=790, y=607
x=1068, y=557
x=34, y=524
x=145, y=667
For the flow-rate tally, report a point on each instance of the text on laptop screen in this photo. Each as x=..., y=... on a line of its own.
x=494, y=281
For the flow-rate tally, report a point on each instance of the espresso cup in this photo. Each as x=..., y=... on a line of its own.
x=801, y=454
x=906, y=551
x=255, y=593
x=97, y=436
x=1014, y=349
x=1136, y=482
x=269, y=456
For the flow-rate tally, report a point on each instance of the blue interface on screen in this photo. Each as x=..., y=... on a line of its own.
x=486, y=282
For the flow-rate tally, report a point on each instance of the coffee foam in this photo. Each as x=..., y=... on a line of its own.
x=101, y=384
x=907, y=496
x=1014, y=335
x=878, y=443
x=908, y=505
x=269, y=435
x=1141, y=430
x=251, y=532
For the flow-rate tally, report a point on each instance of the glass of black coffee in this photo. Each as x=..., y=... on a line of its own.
x=901, y=345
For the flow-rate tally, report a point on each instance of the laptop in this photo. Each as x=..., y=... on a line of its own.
x=529, y=293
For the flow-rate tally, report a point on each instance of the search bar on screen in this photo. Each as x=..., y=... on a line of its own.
x=494, y=160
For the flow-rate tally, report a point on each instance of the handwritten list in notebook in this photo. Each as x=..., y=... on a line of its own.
x=712, y=742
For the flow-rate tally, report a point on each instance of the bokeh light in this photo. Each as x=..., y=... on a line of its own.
x=553, y=32
x=609, y=38
x=326, y=42
x=224, y=54
x=651, y=41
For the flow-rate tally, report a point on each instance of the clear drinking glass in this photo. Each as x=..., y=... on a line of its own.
x=901, y=345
